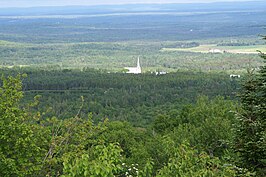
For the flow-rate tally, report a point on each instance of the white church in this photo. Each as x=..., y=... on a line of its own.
x=134, y=70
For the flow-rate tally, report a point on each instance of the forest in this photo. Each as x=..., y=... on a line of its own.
x=119, y=96
x=69, y=109
x=95, y=123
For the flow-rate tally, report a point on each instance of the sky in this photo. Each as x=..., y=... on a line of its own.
x=32, y=3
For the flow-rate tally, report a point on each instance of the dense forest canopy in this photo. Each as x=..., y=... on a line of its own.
x=176, y=134
x=119, y=96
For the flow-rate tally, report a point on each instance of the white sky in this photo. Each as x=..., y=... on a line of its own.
x=31, y=3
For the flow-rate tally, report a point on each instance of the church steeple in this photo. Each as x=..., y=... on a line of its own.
x=138, y=64
x=134, y=70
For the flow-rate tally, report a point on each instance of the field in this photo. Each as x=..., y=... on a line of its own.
x=253, y=49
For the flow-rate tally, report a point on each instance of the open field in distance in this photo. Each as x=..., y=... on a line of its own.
x=253, y=49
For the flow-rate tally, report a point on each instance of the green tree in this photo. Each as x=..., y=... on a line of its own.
x=206, y=125
x=19, y=153
x=185, y=161
x=101, y=161
x=69, y=139
x=250, y=140
x=131, y=140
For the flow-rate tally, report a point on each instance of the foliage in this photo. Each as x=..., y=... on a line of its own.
x=35, y=144
x=137, y=99
x=19, y=149
x=186, y=161
x=70, y=138
x=250, y=140
x=206, y=125
x=103, y=161
x=148, y=169
x=131, y=140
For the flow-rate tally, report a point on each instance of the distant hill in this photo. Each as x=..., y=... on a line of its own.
x=101, y=9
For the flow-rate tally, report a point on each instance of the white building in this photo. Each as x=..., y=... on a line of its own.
x=234, y=76
x=160, y=73
x=216, y=51
x=134, y=70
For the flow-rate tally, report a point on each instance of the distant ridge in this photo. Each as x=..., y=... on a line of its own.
x=98, y=9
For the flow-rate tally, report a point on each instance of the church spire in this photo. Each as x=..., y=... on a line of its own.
x=134, y=70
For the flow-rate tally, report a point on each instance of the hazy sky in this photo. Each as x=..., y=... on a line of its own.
x=30, y=3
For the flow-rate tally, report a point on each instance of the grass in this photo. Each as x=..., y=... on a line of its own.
x=253, y=49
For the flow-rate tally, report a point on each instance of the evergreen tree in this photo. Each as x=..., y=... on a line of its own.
x=251, y=128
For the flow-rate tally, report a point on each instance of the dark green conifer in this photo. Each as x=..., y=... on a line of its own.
x=251, y=128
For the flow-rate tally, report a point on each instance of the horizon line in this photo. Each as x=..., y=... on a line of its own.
x=121, y=4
